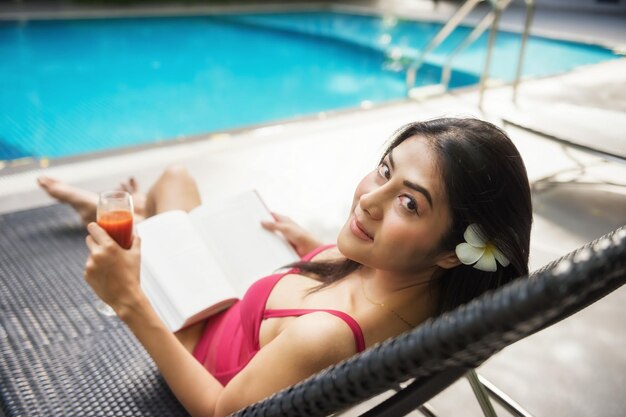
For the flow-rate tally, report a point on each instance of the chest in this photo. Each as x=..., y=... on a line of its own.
x=293, y=292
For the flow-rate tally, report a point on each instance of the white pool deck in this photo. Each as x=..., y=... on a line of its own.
x=308, y=169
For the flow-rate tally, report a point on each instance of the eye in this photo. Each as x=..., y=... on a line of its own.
x=409, y=204
x=384, y=171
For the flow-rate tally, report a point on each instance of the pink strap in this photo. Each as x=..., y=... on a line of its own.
x=315, y=251
x=352, y=323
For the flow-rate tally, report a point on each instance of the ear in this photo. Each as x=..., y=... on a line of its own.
x=448, y=260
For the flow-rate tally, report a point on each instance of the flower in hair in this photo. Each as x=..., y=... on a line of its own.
x=479, y=251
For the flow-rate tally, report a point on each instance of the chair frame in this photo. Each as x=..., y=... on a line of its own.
x=442, y=350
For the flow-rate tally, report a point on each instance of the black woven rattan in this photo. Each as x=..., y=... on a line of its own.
x=440, y=351
x=58, y=355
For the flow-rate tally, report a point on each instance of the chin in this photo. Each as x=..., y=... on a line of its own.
x=343, y=242
x=347, y=246
x=341, y=238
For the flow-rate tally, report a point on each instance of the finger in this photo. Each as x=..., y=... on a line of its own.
x=99, y=235
x=267, y=225
x=91, y=244
x=281, y=227
x=276, y=216
x=280, y=217
x=89, y=265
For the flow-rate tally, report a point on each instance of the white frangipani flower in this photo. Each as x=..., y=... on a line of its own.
x=478, y=251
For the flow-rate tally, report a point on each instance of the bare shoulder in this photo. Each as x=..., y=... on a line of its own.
x=320, y=337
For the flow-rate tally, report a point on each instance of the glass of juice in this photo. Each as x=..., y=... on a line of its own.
x=115, y=215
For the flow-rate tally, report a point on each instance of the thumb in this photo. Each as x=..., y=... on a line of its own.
x=269, y=225
x=279, y=217
x=136, y=245
x=276, y=226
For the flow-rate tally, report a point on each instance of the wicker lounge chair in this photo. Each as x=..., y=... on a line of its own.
x=60, y=356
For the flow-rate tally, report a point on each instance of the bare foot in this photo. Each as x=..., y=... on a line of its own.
x=84, y=202
x=139, y=199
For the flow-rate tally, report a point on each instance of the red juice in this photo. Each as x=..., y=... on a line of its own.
x=119, y=225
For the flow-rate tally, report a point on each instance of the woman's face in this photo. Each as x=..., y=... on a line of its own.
x=399, y=212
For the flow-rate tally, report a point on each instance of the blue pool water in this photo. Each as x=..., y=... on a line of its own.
x=71, y=87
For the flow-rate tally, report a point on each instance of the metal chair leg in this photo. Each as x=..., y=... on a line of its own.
x=481, y=394
x=504, y=400
x=426, y=410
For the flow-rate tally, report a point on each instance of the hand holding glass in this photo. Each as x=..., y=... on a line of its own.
x=115, y=215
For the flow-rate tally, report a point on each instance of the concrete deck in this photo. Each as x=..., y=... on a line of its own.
x=308, y=169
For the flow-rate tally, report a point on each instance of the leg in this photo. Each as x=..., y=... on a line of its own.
x=83, y=201
x=174, y=190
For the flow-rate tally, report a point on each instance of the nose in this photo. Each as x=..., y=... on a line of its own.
x=372, y=204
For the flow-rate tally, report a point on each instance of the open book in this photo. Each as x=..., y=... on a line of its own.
x=196, y=264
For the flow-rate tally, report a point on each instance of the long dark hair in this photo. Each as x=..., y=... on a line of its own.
x=485, y=183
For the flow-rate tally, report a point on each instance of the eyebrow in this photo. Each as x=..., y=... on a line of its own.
x=412, y=185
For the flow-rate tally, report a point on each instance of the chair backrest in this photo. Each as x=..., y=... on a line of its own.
x=441, y=350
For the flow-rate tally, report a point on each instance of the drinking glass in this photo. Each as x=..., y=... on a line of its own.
x=115, y=215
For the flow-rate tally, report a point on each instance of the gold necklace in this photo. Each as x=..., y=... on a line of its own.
x=384, y=306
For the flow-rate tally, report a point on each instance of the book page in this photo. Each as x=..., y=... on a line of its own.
x=159, y=303
x=181, y=268
x=232, y=230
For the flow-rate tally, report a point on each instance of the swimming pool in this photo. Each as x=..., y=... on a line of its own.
x=79, y=86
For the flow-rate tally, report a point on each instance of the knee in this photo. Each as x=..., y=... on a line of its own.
x=175, y=172
x=173, y=175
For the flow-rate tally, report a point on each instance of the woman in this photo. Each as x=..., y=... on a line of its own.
x=444, y=217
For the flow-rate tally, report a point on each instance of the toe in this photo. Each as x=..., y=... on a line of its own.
x=132, y=182
x=43, y=180
x=125, y=186
x=46, y=182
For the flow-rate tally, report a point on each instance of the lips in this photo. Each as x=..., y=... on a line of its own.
x=359, y=231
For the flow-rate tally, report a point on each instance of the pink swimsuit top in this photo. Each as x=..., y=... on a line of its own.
x=230, y=339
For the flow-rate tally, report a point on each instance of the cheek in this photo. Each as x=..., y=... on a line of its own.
x=365, y=186
x=405, y=240
x=396, y=230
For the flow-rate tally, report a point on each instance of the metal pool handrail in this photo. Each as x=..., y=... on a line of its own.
x=492, y=18
x=471, y=38
x=443, y=33
x=498, y=7
x=530, y=10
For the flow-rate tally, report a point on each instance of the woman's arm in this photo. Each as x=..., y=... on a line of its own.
x=113, y=273
x=307, y=345
x=196, y=389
